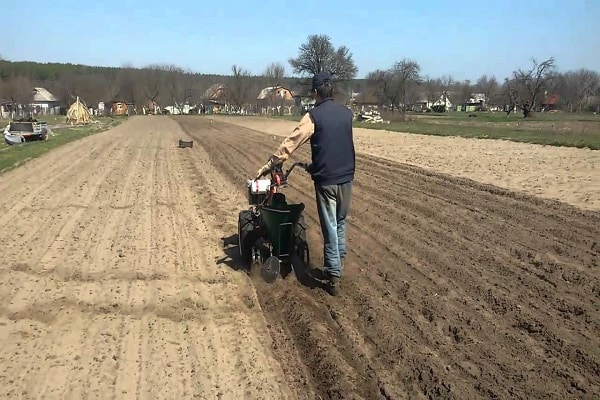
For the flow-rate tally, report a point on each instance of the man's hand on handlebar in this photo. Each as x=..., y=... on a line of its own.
x=265, y=168
x=268, y=167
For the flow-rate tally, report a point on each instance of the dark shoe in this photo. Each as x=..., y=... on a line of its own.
x=318, y=274
x=333, y=286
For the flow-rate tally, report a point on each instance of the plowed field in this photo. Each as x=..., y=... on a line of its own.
x=119, y=278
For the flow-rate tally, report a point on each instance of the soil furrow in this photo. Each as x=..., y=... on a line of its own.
x=463, y=272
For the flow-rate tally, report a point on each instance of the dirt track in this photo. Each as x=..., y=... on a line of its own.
x=119, y=279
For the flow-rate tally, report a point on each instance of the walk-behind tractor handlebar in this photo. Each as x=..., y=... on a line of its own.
x=263, y=191
x=272, y=231
x=279, y=178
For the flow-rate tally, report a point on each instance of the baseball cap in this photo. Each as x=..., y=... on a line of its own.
x=320, y=79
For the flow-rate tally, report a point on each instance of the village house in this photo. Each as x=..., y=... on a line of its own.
x=5, y=108
x=215, y=98
x=550, y=103
x=276, y=100
x=44, y=102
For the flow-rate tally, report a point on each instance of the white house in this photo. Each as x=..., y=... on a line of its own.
x=44, y=102
x=444, y=100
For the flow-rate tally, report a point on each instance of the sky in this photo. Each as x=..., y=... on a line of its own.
x=462, y=39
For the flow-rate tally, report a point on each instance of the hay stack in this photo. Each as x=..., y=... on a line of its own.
x=78, y=113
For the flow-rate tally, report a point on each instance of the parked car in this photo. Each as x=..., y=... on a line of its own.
x=24, y=131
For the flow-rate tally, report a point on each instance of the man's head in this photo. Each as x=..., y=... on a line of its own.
x=322, y=86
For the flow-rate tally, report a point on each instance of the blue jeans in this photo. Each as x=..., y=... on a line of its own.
x=333, y=203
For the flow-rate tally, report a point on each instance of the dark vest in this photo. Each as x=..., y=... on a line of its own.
x=332, y=144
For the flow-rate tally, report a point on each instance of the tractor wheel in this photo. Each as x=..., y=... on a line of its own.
x=245, y=236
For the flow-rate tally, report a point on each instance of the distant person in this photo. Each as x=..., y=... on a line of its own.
x=328, y=126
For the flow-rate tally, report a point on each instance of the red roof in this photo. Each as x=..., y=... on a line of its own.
x=552, y=100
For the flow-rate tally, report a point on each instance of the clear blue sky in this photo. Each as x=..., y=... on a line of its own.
x=464, y=39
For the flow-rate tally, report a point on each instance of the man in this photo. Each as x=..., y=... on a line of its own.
x=328, y=126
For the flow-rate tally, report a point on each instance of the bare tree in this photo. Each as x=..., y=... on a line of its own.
x=66, y=88
x=396, y=83
x=238, y=88
x=93, y=90
x=177, y=85
x=576, y=87
x=433, y=89
x=111, y=87
x=319, y=55
x=509, y=96
x=531, y=83
x=447, y=82
x=462, y=91
x=19, y=90
x=274, y=74
x=488, y=86
x=152, y=82
x=126, y=82
x=382, y=82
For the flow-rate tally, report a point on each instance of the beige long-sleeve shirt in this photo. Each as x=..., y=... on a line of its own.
x=301, y=134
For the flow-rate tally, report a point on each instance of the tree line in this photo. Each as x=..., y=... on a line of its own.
x=397, y=87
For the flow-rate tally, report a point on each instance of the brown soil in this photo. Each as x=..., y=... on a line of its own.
x=120, y=278
x=558, y=173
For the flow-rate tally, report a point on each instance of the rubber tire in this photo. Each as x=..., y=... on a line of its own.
x=245, y=236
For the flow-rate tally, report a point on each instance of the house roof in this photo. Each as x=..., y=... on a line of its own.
x=215, y=91
x=272, y=91
x=552, y=100
x=41, y=95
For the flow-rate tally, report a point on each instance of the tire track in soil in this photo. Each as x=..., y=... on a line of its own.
x=98, y=308
x=454, y=288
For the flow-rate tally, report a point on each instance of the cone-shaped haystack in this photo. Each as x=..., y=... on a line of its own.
x=78, y=113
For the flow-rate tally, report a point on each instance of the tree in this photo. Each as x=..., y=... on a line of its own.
x=509, y=96
x=576, y=87
x=488, y=86
x=396, y=83
x=126, y=83
x=111, y=87
x=19, y=90
x=530, y=84
x=463, y=91
x=238, y=87
x=433, y=90
x=178, y=85
x=151, y=87
x=319, y=55
x=274, y=74
x=151, y=78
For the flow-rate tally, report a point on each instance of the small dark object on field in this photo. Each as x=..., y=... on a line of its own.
x=472, y=115
x=183, y=143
